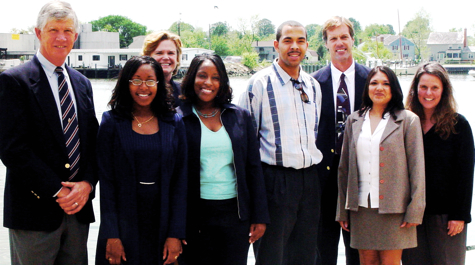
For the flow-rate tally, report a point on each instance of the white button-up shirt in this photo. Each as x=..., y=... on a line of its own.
x=367, y=155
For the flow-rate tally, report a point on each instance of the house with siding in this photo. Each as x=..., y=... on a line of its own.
x=450, y=46
x=267, y=52
x=398, y=45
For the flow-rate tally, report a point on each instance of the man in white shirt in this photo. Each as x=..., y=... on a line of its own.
x=338, y=34
x=284, y=102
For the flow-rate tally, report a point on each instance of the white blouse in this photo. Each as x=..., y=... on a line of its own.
x=367, y=155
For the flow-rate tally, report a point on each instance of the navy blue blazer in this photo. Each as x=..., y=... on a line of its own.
x=252, y=200
x=33, y=149
x=118, y=183
x=326, y=128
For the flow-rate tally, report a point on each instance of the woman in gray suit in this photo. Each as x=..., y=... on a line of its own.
x=381, y=174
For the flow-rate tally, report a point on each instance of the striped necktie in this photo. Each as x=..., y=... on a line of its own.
x=342, y=112
x=70, y=124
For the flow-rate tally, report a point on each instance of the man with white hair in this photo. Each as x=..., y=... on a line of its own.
x=47, y=143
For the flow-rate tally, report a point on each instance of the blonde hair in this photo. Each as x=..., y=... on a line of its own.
x=336, y=22
x=152, y=41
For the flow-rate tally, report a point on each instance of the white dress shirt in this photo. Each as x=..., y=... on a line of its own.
x=367, y=155
x=350, y=83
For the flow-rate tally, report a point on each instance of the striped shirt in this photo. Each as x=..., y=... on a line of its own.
x=286, y=126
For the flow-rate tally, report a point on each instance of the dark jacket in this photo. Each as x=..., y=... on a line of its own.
x=252, y=201
x=33, y=149
x=326, y=127
x=118, y=183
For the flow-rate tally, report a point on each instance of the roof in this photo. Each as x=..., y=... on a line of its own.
x=269, y=43
x=445, y=38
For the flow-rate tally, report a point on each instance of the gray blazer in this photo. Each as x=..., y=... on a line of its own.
x=401, y=174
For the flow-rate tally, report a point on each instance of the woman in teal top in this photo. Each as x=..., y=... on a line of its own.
x=227, y=206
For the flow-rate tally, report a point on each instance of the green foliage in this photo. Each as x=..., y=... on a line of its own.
x=219, y=45
x=375, y=30
x=265, y=28
x=377, y=50
x=250, y=59
x=359, y=56
x=127, y=28
x=195, y=39
x=417, y=30
x=219, y=29
x=179, y=27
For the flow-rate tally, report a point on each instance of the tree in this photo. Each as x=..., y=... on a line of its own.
x=29, y=30
x=418, y=30
x=195, y=39
x=377, y=50
x=374, y=30
x=357, y=29
x=179, y=27
x=127, y=28
x=265, y=28
x=219, y=45
x=313, y=29
x=219, y=29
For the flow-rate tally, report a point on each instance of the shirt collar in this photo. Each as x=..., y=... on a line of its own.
x=350, y=72
x=284, y=78
x=48, y=66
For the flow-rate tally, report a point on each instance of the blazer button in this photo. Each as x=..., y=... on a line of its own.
x=381, y=164
x=381, y=181
x=67, y=165
x=381, y=197
x=328, y=167
x=381, y=148
x=333, y=151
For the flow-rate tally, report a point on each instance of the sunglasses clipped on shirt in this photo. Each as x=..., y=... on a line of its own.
x=299, y=87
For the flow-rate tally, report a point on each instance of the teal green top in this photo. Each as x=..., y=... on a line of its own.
x=217, y=175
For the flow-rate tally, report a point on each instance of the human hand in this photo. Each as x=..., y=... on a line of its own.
x=171, y=250
x=408, y=225
x=344, y=225
x=455, y=227
x=256, y=232
x=115, y=251
x=73, y=201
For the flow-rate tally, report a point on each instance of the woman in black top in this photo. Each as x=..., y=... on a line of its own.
x=449, y=163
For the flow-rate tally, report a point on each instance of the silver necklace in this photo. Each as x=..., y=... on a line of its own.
x=211, y=115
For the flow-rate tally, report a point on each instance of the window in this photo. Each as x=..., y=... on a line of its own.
x=79, y=57
x=456, y=55
x=449, y=55
x=123, y=57
x=184, y=57
x=96, y=57
x=470, y=55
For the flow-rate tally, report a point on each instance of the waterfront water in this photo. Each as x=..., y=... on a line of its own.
x=464, y=89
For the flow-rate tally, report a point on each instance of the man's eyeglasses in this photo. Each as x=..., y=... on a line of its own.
x=138, y=82
x=299, y=87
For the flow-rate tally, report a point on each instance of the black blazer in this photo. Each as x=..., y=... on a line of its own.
x=33, y=149
x=326, y=128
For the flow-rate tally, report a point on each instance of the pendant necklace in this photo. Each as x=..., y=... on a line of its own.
x=140, y=123
x=211, y=115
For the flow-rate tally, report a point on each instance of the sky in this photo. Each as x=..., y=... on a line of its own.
x=159, y=14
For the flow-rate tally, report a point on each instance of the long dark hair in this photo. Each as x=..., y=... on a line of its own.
x=225, y=92
x=445, y=112
x=121, y=101
x=395, y=103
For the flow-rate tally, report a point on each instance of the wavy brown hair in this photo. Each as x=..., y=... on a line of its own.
x=445, y=112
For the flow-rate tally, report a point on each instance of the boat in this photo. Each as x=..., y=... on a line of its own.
x=6, y=64
x=472, y=73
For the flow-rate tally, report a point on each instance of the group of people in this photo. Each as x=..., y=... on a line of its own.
x=188, y=177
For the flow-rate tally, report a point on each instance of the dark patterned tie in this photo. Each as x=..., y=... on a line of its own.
x=70, y=124
x=342, y=112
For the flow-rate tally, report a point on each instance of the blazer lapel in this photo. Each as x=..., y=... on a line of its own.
x=125, y=132
x=391, y=126
x=42, y=91
x=356, y=127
